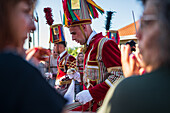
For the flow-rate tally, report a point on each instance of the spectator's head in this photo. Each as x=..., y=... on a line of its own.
x=55, y=53
x=80, y=57
x=153, y=34
x=16, y=17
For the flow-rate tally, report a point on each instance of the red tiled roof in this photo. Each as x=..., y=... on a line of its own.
x=129, y=29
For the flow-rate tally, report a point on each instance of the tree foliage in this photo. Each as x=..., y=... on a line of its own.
x=73, y=51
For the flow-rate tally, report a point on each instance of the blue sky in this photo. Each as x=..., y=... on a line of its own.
x=122, y=18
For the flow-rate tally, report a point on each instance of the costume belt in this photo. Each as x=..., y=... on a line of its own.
x=65, y=82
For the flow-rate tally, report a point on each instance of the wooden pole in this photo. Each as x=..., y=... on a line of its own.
x=38, y=27
x=49, y=69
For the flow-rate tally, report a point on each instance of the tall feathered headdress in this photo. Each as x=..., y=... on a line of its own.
x=112, y=34
x=57, y=34
x=48, y=16
x=56, y=31
x=108, y=19
x=78, y=12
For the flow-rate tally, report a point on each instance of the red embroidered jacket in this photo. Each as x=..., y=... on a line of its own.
x=101, y=56
x=66, y=62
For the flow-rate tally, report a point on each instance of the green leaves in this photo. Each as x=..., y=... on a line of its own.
x=73, y=51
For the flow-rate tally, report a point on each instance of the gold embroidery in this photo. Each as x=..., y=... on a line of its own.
x=117, y=68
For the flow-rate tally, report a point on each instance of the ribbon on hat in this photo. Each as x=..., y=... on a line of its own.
x=78, y=12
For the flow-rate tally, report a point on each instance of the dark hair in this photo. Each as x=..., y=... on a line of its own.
x=62, y=42
x=143, y=1
x=80, y=53
x=6, y=33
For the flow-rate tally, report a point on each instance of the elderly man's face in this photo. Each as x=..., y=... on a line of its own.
x=149, y=32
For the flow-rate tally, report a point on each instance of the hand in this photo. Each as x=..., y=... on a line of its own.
x=57, y=82
x=141, y=63
x=75, y=76
x=37, y=53
x=129, y=62
x=84, y=97
x=48, y=75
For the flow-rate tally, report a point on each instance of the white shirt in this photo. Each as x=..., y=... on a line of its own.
x=91, y=36
x=53, y=62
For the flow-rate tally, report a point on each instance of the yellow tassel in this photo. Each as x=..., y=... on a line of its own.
x=66, y=20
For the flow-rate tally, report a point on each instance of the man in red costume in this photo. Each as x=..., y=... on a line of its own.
x=65, y=61
x=102, y=62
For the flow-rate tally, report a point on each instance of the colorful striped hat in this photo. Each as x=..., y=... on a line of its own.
x=57, y=34
x=77, y=12
x=113, y=34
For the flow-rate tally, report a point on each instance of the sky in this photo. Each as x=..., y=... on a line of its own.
x=122, y=17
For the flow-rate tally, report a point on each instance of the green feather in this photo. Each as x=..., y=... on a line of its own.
x=91, y=10
x=100, y=10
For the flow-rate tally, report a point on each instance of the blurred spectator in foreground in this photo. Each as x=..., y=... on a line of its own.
x=24, y=90
x=150, y=92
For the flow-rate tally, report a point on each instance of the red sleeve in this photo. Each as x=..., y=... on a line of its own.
x=72, y=58
x=71, y=62
x=99, y=91
x=111, y=55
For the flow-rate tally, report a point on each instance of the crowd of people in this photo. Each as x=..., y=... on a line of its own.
x=101, y=79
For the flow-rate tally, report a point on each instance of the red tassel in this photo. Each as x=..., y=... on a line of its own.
x=65, y=7
x=59, y=30
x=96, y=15
x=48, y=16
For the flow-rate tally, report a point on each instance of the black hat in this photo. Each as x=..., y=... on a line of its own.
x=62, y=42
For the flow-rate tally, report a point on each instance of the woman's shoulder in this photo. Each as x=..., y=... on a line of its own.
x=10, y=58
x=15, y=63
x=130, y=83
